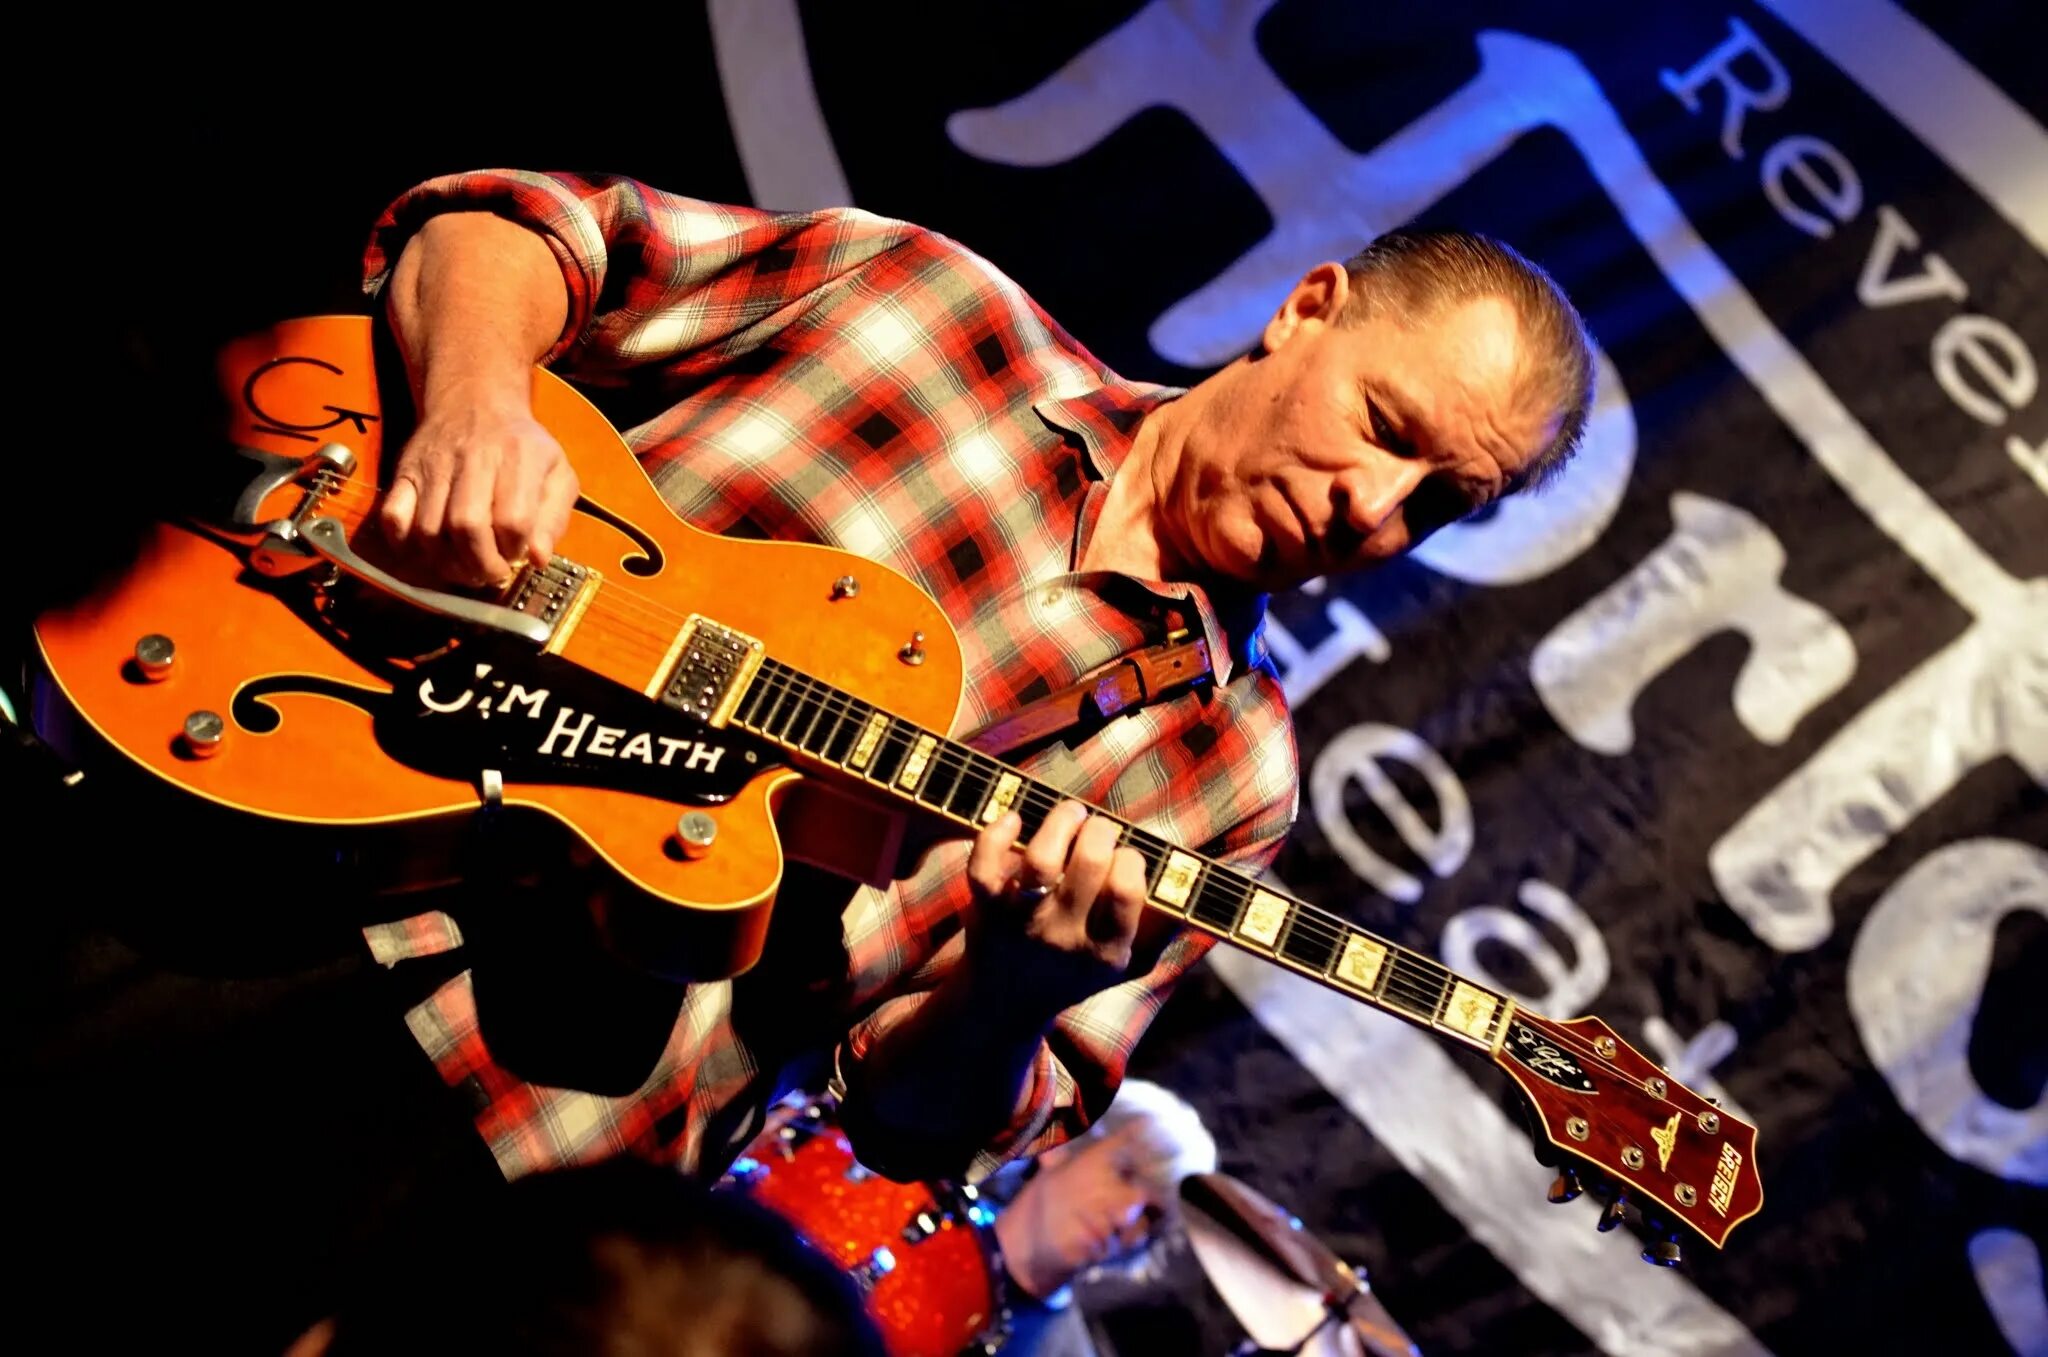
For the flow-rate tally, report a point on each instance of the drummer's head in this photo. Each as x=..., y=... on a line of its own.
x=1099, y=1202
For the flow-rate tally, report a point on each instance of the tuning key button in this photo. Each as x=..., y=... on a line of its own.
x=1615, y=1214
x=203, y=733
x=1665, y=1252
x=1566, y=1187
x=153, y=656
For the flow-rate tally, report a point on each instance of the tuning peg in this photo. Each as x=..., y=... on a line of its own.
x=1665, y=1252
x=1566, y=1187
x=1616, y=1212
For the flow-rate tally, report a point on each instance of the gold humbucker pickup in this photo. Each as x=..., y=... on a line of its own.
x=1263, y=919
x=864, y=747
x=1470, y=1011
x=913, y=763
x=1001, y=799
x=1359, y=964
x=1177, y=879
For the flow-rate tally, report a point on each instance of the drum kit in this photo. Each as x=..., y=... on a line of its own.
x=924, y=1258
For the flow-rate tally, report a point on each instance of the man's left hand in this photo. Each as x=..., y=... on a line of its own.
x=1055, y=922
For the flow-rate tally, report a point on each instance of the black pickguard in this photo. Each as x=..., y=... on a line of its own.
x=538, y=719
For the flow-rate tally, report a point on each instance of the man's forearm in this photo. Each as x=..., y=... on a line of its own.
x=945, y=1082
x=475, y=301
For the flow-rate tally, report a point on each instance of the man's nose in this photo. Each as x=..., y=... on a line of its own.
x=1370, y=495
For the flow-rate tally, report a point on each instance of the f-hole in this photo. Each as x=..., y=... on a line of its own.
x=649, y=561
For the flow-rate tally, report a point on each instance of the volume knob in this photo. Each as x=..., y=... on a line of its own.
x=203, y=733
x=694, y=833
x=154, y=655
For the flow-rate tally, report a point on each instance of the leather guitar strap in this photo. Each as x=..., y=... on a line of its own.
x=1122, y=685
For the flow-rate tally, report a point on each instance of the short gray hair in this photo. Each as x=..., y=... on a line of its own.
x=1416, y=272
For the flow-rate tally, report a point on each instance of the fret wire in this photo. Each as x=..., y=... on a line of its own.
x=931, y=769
x=832, y=730
x=1409, y=976
x=983, y=774
x=802, y=743
x=852, y=723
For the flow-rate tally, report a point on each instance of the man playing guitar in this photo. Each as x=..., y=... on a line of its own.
x=833, y=376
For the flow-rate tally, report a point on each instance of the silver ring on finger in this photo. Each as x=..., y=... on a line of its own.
x=1033, y=894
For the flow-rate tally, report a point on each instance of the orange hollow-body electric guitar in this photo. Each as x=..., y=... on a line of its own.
x=688, y=708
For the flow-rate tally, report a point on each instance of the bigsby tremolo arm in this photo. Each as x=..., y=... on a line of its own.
x=307, y=538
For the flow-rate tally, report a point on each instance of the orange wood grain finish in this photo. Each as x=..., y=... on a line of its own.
x=322, y=763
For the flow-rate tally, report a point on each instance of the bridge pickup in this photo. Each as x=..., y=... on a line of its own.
x=712, y=668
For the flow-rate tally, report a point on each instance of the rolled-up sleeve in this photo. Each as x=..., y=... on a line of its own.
x=658, y=283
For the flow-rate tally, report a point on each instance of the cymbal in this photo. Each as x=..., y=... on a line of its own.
x=1281, y=1281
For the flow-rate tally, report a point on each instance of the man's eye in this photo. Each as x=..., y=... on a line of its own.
x=1383, y=432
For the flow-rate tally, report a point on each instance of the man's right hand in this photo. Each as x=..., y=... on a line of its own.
x=481, y=488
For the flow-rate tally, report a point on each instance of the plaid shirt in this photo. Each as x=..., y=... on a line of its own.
x=841, y=378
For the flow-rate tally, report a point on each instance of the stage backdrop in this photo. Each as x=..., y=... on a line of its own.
x=1736, y=737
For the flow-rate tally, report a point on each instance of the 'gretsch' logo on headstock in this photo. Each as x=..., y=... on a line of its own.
x=1531, y=1049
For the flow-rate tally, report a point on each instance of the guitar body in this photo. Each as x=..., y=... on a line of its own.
x=342, y=709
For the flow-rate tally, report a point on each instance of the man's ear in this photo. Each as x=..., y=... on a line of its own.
x=1318, y=298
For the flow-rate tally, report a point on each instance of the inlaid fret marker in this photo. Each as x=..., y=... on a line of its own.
x=864, y=747
x=1263, y=919
x=1001, y=798
x=1470, y=1011
x=1360, y=964
x=1176, y=880
x=913, y=764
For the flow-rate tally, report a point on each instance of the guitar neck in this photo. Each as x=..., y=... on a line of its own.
x=943, y=778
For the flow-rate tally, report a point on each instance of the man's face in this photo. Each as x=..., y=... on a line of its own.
x=1344, y=445
x=1089, y=1202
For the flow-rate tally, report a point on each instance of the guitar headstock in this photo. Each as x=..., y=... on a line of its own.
x=1676, y=1156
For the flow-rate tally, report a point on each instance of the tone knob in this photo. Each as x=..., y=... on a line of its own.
x=694, y=832
x=203, y=733
x=153, y=656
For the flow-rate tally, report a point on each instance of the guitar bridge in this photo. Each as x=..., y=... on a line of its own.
x=713, y=665
x=555, y=594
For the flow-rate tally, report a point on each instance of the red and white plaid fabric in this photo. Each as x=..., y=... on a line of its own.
x=837, y=377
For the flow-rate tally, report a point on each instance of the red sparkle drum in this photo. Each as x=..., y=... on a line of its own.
x=921, y=1254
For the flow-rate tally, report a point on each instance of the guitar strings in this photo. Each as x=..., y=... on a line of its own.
x=1425, y=992
x=620, y=607
x=950, y=758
